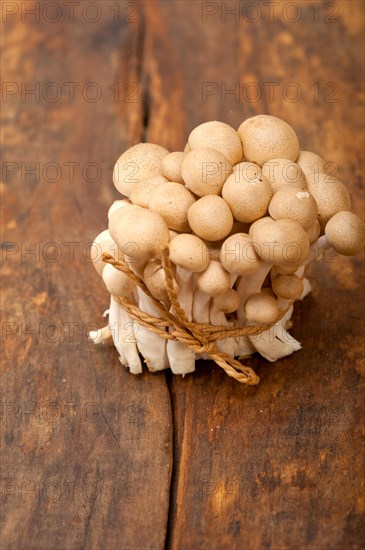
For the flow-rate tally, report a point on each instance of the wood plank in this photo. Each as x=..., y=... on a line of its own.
x=86, y=447
x=278, y=466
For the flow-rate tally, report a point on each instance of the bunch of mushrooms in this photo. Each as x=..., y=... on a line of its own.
x=243, y=213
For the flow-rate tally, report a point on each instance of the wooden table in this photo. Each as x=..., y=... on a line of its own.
x=92, y=456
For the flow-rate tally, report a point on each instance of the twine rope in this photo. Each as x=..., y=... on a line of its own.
x=173, y=324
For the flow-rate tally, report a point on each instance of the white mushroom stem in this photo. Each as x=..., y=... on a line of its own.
x=100, y=335
x=307, y=287
x=181, y=358
x=318, y=250
x=228, y=345
x=217, y=317
x=123, y=331
x=150, y=344
x=201, y=302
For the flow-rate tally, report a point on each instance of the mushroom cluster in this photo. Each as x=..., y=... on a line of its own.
x=242, y=214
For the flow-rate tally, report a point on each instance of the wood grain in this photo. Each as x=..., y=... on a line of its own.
x=87, y=448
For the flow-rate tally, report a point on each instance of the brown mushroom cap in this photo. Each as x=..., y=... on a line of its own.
x=261, y=308
x=331, y=197
x=189, y=252
x=139, y=233
x=210, y=218
x=103, y=243
x=205, y=170
x=266, y=137
x=283, y=172
x=219, y=136
x=155, y=280
x=346, y=233
x=247, y=192
x=227, y=302
x=137, y=163
x=281, y=242
x=238, y=254
x=311, y=164
x=293, y=203
x=214, y=280
x=141, y=192
x=123, y=203
x=117, y=282
x=289, y=287
x=171, y=165
x=258, y=222
x=172, y=201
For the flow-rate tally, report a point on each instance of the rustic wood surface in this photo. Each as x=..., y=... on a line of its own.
x=91, y=456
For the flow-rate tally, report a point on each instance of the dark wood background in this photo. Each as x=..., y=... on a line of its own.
x=93, y=457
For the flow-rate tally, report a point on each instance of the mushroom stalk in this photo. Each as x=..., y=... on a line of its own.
x=150, y=345
x=181, y=358
x=318, y=250
x=123, y=331
x=201, y=302
x=100, y=335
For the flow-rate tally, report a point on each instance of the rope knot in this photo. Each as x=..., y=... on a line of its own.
x=208, y=348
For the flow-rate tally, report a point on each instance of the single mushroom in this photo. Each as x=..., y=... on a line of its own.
x=266, y=137
x=275, y=342
x=215, y=280
x=331, y=197
x=227, y=302
x=190, y=252
x=171, y=166
x=294, y=204
x=283, y=172
x=219, y=136
x=247, y=192
x=103, y=243
x=137, y=163
x=238, y=254
x=282, y=242
x=346, y=233
x=210, y=218
x=155, y=280
x=205, y=170
x=117, y=283
x=140, y=230
x=172, y=201
x=116, y=205
x=311, y=164
x=141, y=192
x=261, y=308
x=258, y=222
x=289, y=287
